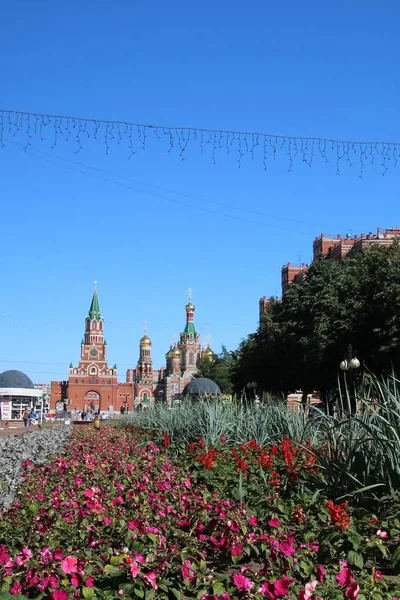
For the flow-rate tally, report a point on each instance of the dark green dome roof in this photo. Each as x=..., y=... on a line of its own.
x=15, y=379
x=201, y=385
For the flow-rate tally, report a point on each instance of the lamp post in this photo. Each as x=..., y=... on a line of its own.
x=126, y=403
x=252, y=385
x=349, y=365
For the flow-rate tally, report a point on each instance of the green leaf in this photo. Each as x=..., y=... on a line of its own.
x=356, y=540
x=34, y=509
x=218, y=588
x=176, y=593
x=88, y=592
x=356, y=559
x=113, y=571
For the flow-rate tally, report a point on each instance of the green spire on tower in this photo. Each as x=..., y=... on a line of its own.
x=94, y=310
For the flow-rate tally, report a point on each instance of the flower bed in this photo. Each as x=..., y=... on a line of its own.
x=114, y=517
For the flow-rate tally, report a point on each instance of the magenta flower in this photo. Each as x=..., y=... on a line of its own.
x=59, y=595
x=134, y=570
x=352, y=591
x=187, y=571
x=4, y=556
x=286, y=548
x=321, y=571
x=274, y=523
x=69, y=564
x=241, y=582
x=345, y=577
x=151, y=579
x=236, y=550
x=253, y=520
x=16, y=588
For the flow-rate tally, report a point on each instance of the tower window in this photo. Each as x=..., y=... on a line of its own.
x=191, y=358
x=94, y=325
x=76, y=381
x=93, y=370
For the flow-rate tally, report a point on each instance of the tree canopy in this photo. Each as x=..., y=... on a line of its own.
x=219, y=370
x=304, y=336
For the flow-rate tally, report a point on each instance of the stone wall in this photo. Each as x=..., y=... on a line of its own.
x=36, y=446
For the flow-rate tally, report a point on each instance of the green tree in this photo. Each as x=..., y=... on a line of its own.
x=219, y=369
x=303, y=337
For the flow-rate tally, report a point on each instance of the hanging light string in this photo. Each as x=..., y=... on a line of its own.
x=136, y=137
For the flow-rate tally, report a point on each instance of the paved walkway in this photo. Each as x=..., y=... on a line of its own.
x=15, y=430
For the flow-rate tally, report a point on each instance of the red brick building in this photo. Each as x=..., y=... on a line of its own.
x=92, y=384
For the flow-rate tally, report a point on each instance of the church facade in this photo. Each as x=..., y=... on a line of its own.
x=93, y=385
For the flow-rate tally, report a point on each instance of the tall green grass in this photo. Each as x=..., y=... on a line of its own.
x=358, y=451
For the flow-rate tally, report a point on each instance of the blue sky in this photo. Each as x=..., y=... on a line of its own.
x=311, y=68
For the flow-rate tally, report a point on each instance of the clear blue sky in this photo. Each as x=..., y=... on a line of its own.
x=296, y=68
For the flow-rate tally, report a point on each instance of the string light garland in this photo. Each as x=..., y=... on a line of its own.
x=265, y=147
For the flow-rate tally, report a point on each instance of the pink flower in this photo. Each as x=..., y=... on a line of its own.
x=378, y=575
x=308, y=590
x=287, y=549
x=253, y=520
x=69, y=564
x=59, y=595
x=187, y=571
x=58, y=554
x=16, y=588
x=236, y=550
x=382, y=534
x=89, y=581
x=274, y=523
x=345, y=577
x=76, y=580
x=352, y=591
x=134, y=570
x=241, y=582
x=151, y=579
x=46, y=555
x=27, y=553
x=107, y=520
x=4, y=556
x=321, y=571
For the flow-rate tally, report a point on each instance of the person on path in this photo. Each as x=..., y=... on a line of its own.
x=25, y=417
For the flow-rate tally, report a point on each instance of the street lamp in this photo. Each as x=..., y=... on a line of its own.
x=349, y=366
x=253, y=385
x=351, y=363
x=126, y=403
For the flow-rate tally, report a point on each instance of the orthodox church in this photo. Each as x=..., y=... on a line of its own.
x=182, y=361
x=93, y=385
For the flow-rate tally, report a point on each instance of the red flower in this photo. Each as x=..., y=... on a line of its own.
x=191, y=448
x=339, y=517
x=166, y=441
x=222, y=439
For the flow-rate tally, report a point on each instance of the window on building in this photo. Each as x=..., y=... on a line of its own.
x=109, y=382
x=76, y=381
x=93, y=370
x=191, y=358
x=94, y=325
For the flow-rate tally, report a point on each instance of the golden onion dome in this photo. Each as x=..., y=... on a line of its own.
x=190, y=306
x=145, y=341
x=175, y=352
x=207, y=353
